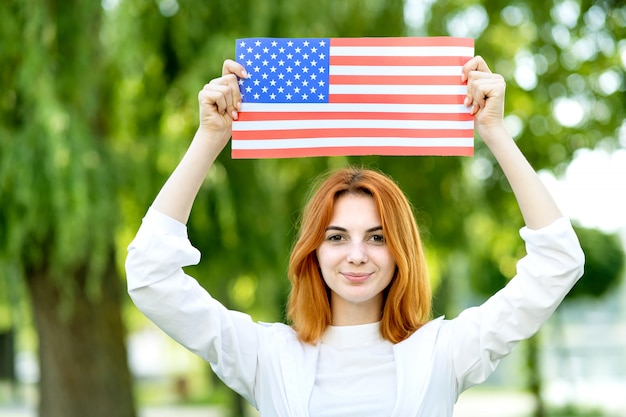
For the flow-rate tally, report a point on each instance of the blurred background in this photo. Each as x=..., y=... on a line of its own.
x=98, y=102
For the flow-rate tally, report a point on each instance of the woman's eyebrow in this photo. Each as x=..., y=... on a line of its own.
x=343, y=229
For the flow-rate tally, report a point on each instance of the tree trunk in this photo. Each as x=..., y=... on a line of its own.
x=83, y=361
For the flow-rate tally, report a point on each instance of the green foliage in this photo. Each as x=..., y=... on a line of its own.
x=604, y=263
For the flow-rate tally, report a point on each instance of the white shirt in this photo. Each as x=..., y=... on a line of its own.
x=355, y=370
x=281, y=376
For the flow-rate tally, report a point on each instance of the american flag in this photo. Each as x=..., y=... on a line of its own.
x=353, y=96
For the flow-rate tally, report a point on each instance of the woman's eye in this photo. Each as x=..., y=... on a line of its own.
x=378, y=238
x=334, y=238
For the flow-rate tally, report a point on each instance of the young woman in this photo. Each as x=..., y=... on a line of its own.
x=361, y=341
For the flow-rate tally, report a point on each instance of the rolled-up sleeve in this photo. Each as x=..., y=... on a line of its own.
x=483, y=335
x=184, y=310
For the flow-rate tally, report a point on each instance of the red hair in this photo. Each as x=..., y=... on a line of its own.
x=408, y=299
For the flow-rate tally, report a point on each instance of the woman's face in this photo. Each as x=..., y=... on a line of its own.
x=355, y=262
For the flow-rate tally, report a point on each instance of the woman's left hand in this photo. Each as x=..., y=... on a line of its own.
x=485, y=97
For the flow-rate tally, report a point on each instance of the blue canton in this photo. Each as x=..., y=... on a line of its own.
x=284, y=70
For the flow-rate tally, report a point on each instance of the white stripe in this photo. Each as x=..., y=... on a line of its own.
x=442, y=90
x=464, y=51
x=356, y=107
x=351, y=124
x=299, y=143
x=394, y=70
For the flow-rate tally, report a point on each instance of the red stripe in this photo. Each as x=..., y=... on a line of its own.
x=396, y=79
x=395, y=99
x=352, y=150
x=399, y=61
x=268, y=116
x=409, y=41
x=351, y=132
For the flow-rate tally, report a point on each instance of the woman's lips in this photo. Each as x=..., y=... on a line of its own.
x=356, y=277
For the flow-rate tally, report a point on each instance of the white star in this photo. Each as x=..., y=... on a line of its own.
x=313, y=76
x=305, y=69
x=273, y=96
x=281, y=76
x=281, y=50
x=298, y=50
x=305, y=83
x=241, y=57
x=264, y=89
x=265, y=62
x=272, y=83
x=273, y=69
x=288, y=96
x=290, y=43
x=257, y=82
x=321, y=83
x=305, y=43
x=248, y=89
x=240, y=82
x=273, y=56
x=322, y=43
x=305, y=96
x=281, y=62
x=257, y=56
x=249, y=63
x=256, y=96
x=242, y=43
x=266, y=50
x=297, y=63
x=257, y=43
x=322, y=56
x=314, y=49
x=249, y=50
x=289, y=56
x=288, y=83
x=296, y=90
x=321, y=96
x=274, y=43
x=313, y=90
x=257, y=69
x=322, y=69
x=289, y=69
x=313, y=63
x=265, y=75
x=305, y=56
x=296, y=76
x=280, y=89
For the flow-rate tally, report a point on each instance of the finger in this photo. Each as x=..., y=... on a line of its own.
x=475, y=78
x=232, y=67
x=475, y=64
x=229, y=86
x=216, y=95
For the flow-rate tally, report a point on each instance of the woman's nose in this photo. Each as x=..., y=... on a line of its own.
x=357, y=253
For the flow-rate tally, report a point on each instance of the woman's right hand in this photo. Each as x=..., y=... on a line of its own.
x=220, y=101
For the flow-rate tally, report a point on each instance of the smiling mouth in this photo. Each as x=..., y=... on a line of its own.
x=356, y=277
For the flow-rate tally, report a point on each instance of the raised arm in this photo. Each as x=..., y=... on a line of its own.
x=219, y=102
x=485, y=95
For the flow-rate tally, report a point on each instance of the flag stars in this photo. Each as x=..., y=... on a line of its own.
x=303, y=71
